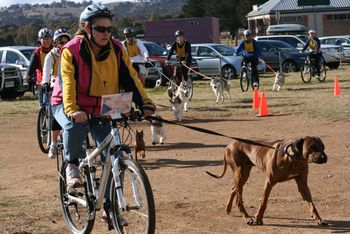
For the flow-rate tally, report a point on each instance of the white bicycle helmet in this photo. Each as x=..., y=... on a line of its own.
x=247, y=32
x=128, y=30
x=179, y=33
x=45, y=32
x=95, y=10
x=312, y=31
x=61, y=32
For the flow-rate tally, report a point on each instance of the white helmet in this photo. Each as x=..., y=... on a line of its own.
x=45, y=32
x=247, y=32
x=61, y=32
x=312, y=31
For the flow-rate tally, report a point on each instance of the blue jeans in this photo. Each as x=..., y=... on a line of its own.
x=74, y=135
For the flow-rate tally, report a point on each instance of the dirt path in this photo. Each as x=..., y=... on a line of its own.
x=187, y=200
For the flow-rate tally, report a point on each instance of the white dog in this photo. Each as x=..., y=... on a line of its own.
x=176, y=103
x=157, y=131
x=279, y=81
x=183, y=91
x=220, y=87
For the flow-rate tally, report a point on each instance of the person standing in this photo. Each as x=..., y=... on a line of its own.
x=137, y=52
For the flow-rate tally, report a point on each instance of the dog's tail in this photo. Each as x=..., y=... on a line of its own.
x=225, y=167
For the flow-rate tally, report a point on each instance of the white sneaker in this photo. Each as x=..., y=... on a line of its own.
x=52, y=151
x=255, y=84
x=317, y=77
x=73, y=175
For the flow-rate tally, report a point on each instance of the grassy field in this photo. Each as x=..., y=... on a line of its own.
x=295, y=97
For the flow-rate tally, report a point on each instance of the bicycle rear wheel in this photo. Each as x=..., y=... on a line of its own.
x=75, y=205
x=305, y=72
x=190, y=84
x=42, y=130
x=140, y=211
x=323, y=73
x=244, y=80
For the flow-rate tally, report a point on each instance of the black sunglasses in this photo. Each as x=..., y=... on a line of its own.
x=103, y=29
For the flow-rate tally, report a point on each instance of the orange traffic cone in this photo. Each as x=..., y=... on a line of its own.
x=263, y=111
x=337, y=90
x=256, y=99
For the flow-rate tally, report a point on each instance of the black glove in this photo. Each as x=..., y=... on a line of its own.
x=45, y=87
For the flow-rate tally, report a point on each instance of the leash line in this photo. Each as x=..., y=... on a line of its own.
x=198, y=73
x=203, y=130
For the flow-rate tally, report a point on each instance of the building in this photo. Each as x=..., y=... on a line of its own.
x=197, y=30
x=327, y=17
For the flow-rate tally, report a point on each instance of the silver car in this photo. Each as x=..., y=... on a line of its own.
x=341, y=40
x=215, y=59
x=18, y=56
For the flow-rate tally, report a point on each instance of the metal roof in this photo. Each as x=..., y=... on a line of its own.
x=273, y=6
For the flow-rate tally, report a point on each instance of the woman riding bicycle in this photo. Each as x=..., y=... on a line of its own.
x=314, y=44
x=50, y=72
x=92, y=64
x=251, y=52
x=182, y=49
x=36, y=63
x=137, y=52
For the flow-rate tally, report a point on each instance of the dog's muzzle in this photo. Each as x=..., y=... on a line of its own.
x=320, y=159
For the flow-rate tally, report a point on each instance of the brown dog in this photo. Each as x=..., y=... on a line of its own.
x=280, y=161
x=139, y=144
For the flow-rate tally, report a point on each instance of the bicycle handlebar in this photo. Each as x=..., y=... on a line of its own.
x=100, y=119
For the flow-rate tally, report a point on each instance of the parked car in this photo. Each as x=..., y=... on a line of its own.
x=343, y=41
x=18, y=56
x=331, y=53
x=159, y=54
x=216, y=59
x=291, y=59
x=10, y=82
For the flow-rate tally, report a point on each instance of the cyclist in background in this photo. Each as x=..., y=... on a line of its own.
x=182, y=49
x=36, y=63
x=50, y=72
x=314, y=44
x=137, y=52
x=251, y=52
x=92, y=65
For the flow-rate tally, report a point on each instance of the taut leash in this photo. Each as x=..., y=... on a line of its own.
x=203, y=130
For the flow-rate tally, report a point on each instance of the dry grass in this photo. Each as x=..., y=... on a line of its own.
x=314, y=99
x=295, y=97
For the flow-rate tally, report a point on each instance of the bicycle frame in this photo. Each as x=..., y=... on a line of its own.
x=111, y=141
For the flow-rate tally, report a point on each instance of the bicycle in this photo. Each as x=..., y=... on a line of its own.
x=308, y=69
x=175, y=81
x=246, y=76
x=130, y=204
x=43, y=123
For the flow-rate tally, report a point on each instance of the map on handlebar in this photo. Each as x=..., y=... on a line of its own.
x=115, y=105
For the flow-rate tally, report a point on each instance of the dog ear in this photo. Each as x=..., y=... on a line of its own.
x=298, y=145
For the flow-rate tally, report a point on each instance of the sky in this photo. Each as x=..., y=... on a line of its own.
x=10, y=2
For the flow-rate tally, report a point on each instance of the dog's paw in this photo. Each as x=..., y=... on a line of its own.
x=154, y=143
x=259, y=222
x=322, y=223
x=162, y=143
x=249, y=220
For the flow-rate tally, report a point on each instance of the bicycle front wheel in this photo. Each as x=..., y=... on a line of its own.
x=244, y=80
x=42, y=130
x=323, y=73
x=305, y=72
x=139, y=215
x=75, y=206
